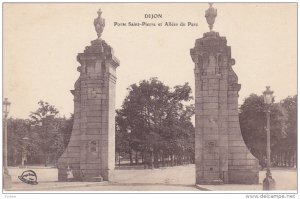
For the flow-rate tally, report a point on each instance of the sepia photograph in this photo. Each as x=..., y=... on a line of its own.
x=150, y=98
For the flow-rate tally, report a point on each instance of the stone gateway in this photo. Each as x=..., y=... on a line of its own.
x=91, y=150
x=221, y=154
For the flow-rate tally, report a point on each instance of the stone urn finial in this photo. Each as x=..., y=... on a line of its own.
x=210, y=15
x=99, y=24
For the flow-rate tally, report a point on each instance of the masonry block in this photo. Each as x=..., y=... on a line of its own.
x=222, y=156
x=91, y=150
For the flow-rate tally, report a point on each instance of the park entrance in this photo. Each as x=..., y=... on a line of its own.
x=221, y=155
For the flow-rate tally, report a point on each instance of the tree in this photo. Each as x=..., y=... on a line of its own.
x=158, y=121
x=46, y=128
x=17, y=129
x=42, y=138
x=287, y=147
x=253, y=125
x=122, y=136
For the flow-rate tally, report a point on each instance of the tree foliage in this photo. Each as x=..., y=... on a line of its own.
x=285, y=150
x=44, y=111
x=154, y=119
x=46, y=128
x=47, y=136
x=17, y=130
x=282, y=125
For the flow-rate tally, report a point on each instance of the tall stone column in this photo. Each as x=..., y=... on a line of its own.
x=221, y=154
x=91, y=151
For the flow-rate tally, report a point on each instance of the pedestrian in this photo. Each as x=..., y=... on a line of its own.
x=70, y=175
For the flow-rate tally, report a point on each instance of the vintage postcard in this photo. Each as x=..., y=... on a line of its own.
x=150, y=98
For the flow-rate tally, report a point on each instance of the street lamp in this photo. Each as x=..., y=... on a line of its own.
x=152, y=157
x=129, y=141
x=269, y=182
x=6, y=176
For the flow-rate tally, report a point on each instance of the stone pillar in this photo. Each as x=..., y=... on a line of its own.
x=221, y=155
x=91, y=151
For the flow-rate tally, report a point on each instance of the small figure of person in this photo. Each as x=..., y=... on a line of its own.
x=70, y=175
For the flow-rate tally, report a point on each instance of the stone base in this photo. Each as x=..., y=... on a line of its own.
x=106, y=176
x=109, y=175
x=243, y=177
x=269, y=184
x=6, y=181
x=86, y=176
x=210, y=182
x=93, y=179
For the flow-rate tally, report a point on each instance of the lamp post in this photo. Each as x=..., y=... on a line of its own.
x=6, y=176
x=129, y=141
x=269, y=182
x=152, y=158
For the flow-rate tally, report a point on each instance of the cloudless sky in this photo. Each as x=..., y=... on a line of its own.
x=41, y=42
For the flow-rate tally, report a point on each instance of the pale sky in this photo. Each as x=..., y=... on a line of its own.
x=41, y=42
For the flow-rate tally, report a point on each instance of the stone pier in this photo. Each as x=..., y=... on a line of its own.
x=91, y=151
x=221, y=154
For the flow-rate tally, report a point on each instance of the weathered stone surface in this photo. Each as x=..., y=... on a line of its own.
x=246, y=176
x=220, y=152
x=90, y=152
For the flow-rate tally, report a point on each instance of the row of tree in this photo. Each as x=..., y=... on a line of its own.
x=283, y=129
x=41, y=139
x=154, y=128
x=155, y=125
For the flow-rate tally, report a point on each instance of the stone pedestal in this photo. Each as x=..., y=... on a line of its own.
x=269, y=183
x=221, y=155
x=91, y=151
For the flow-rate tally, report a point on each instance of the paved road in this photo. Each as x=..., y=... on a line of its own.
x=181, y=178
x=130, y=187
x=285, y=178
x=179, y=175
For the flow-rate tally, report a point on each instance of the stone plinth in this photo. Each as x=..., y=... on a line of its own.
x=91, y=150
x=221, y=154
